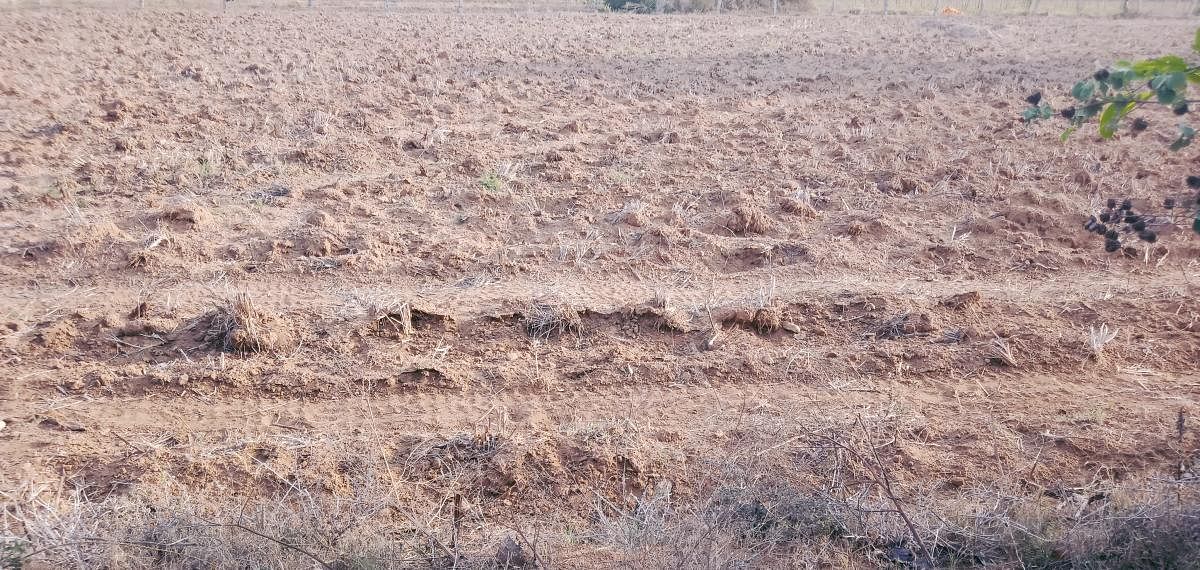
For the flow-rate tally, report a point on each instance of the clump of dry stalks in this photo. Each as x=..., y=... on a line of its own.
x=1001, y=351
x=238, y=325
x=1098, y=338
x=544, y=320
x=393, y=317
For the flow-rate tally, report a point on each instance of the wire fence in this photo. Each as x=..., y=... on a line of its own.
x=1086, y=8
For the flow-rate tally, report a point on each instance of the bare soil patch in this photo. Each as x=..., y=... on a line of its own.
x=573, y=290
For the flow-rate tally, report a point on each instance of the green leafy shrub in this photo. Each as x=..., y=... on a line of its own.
x=1111, y=98
x=491, y=182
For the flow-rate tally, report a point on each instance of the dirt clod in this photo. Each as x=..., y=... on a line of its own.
x=751, y=219
x=198, y=217
x=962, y=301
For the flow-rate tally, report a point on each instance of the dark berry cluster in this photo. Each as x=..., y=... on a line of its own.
x=1119, y=219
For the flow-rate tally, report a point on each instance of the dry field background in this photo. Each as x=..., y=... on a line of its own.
x=353, y=290
x=1087, y=8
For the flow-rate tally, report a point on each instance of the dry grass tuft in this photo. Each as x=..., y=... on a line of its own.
x=767, y=320
x=672, y=318
x=751, y=219
x=663, y=315
x=1098, y=338
x=831, y=497
x=392, y=317
x=543, y=320
x=1001, y=352
x=239, y=326
x=761, y=318
x=801, y=208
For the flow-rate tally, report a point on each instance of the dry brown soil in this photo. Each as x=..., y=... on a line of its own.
x=537, y=227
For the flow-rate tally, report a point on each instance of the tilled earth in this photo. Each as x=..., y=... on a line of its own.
x=237, y=247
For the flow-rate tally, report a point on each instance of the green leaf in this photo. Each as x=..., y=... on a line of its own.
x=1159, y=66
x=1193, y=75
x=1033, y=113
x=1196, y=42
x=1169, y=87
x=1121, y=77
x=1067, y=134
x=1178, y=81
x=1088, y=111
x=1186, y=134
x=1166, y=94
x=1111, y=117
x=1083, y=90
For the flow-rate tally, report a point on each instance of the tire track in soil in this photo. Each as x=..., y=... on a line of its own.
x=662, y=406
x=599, y=294
x=433, y=411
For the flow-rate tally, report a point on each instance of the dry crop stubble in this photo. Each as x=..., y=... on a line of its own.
x=707, y=245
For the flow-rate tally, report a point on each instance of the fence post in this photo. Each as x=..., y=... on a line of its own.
x=885, y=7
x=775, y=7
x=1192, y=8
x=832, y=5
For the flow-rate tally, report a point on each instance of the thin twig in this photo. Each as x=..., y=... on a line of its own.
x=286, y=545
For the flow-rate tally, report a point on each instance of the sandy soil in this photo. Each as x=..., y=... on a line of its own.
x=315, y=232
